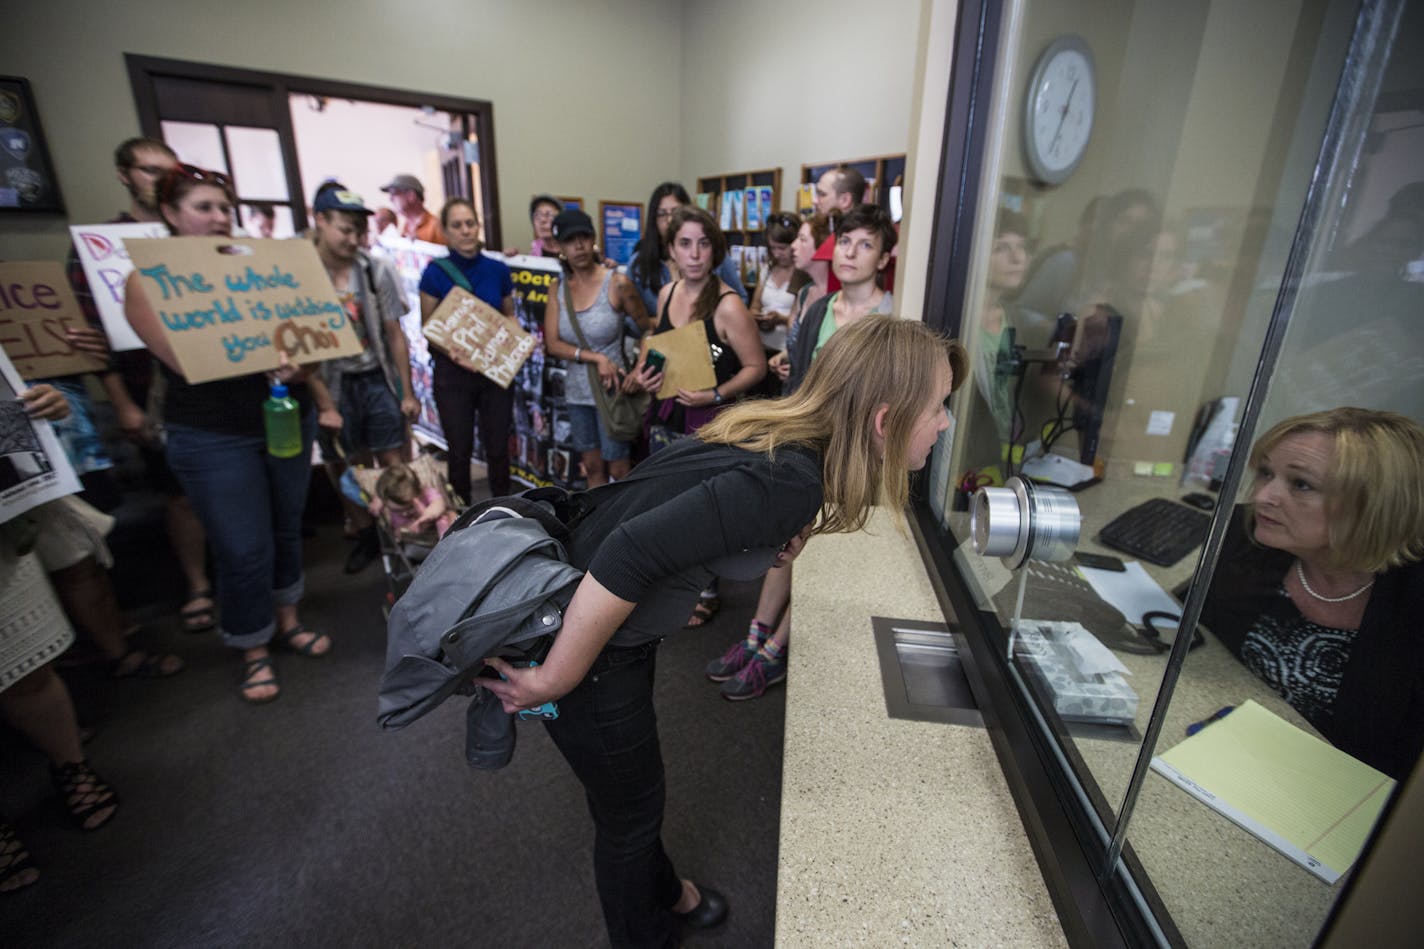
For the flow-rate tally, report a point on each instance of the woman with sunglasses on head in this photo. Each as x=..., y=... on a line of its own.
x=810, y=235
x=652, y=267
x=249, y=501
x=461, y=392
x=698, y=249
x=600, y=301
x=777, y=283
x=747, y=490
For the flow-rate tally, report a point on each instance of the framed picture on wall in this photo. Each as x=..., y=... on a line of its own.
x=27, y=181
x=570, y=203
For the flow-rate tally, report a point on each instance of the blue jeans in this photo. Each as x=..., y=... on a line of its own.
x=251, y=505
x=588, y=434
x=607, y=730
x=370, y=412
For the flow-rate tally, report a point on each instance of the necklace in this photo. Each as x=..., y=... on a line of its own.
x=1300, y=575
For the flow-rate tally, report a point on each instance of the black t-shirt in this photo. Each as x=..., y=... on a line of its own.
x=658, y=540
x=225, y=406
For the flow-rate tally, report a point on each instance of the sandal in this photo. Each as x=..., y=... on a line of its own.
x=16, y=870
x=89, y=800
x=307, y=647
x=145, y=665
x=250, y=670
x=704, y=611
x=198, y=619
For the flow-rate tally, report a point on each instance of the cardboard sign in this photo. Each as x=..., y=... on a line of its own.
x=227, y=305
x=106, y=266
x=689, y=360
x=36, y=307
x=465, y=326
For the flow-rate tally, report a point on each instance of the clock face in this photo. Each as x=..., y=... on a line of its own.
x=1058, y=115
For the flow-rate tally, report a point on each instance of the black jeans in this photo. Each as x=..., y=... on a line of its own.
x=458, y=396
x=608, y=732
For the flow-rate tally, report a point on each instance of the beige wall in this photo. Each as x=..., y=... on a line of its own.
x=778, y=85
x=571, y=116
x=599, y=100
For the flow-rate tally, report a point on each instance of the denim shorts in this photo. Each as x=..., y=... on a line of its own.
x=370, y=413
x=588, y=434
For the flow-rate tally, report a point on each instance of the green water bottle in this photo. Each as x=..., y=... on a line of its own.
x=283, y=422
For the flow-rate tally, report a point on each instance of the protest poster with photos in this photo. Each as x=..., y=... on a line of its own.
x=37, y=306
x=33, y=466
x=475, y=333
x=100, y=248
x=229, y=305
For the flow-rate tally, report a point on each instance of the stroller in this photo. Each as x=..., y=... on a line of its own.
x=401, y=555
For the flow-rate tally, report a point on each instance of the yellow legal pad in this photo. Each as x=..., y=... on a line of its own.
x=1309, y=800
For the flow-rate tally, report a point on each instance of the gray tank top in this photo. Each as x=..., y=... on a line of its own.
x=603, y=328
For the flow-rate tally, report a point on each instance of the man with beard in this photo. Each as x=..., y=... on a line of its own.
x=371, y=399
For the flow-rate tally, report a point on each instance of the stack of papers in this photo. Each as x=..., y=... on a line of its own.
x=1307, y=799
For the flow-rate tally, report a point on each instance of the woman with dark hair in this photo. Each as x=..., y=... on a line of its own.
x=811, y=233
x=249, y=501
x=461, y=392
x=751, y=487
x=738, y=360
x=600, y=301
x=651, y=268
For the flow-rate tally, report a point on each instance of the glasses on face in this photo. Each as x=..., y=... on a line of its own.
x=185, y=172
x=544, y=215
x=664, y=213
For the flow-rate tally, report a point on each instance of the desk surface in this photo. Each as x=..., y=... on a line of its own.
x=1222, y=885
x=892, y=832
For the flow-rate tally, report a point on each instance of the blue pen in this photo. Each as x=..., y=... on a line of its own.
x=1219, y=714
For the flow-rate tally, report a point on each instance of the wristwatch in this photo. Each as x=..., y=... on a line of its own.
x=717, y=397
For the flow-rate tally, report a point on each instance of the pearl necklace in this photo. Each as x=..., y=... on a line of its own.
x=1300, y=575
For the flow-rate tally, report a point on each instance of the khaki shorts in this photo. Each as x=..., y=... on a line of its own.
x=70, y=530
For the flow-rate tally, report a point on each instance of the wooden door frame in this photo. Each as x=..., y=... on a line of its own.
x=143, y=69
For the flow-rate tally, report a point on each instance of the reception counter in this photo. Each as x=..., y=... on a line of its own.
x=892, y=832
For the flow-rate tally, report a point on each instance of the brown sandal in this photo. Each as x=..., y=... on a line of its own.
x=89, y=800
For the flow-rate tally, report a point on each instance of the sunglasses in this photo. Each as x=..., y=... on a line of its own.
x=182, y=172
x=785, y=220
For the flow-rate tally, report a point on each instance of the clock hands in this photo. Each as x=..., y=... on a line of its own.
x=1063, y=116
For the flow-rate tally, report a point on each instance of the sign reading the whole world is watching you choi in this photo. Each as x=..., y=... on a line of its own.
x=229, y=306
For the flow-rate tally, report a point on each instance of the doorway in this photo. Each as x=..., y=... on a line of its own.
x=279, y=136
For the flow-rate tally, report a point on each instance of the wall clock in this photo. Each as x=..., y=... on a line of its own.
x=1058, y=109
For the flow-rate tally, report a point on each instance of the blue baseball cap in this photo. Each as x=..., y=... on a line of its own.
x=339, y=199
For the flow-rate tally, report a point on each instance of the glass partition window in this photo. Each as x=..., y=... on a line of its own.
x=1151, y=271
x=1299, y=620
x=1116, y=314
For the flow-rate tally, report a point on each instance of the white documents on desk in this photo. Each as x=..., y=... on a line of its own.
x=1132, y=591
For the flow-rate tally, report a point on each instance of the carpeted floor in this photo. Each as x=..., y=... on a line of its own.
x=302, y=824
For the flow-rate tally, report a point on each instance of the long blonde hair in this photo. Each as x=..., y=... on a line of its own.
x=878, y=360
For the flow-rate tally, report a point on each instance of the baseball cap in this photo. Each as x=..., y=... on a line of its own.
x=404, y=183
x=339, y=199
x=570, y=223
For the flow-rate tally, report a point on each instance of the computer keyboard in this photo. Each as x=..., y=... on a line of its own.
x=1159, y=531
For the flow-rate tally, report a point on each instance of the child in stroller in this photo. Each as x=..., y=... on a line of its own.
x=416, y=513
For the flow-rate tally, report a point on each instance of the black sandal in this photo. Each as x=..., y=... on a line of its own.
x=16, y=869
x=89, y=800
x=252, y=668
x=704, y=612
x=198, y=619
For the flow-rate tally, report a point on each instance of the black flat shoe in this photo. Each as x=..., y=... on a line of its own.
x=711, y=911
